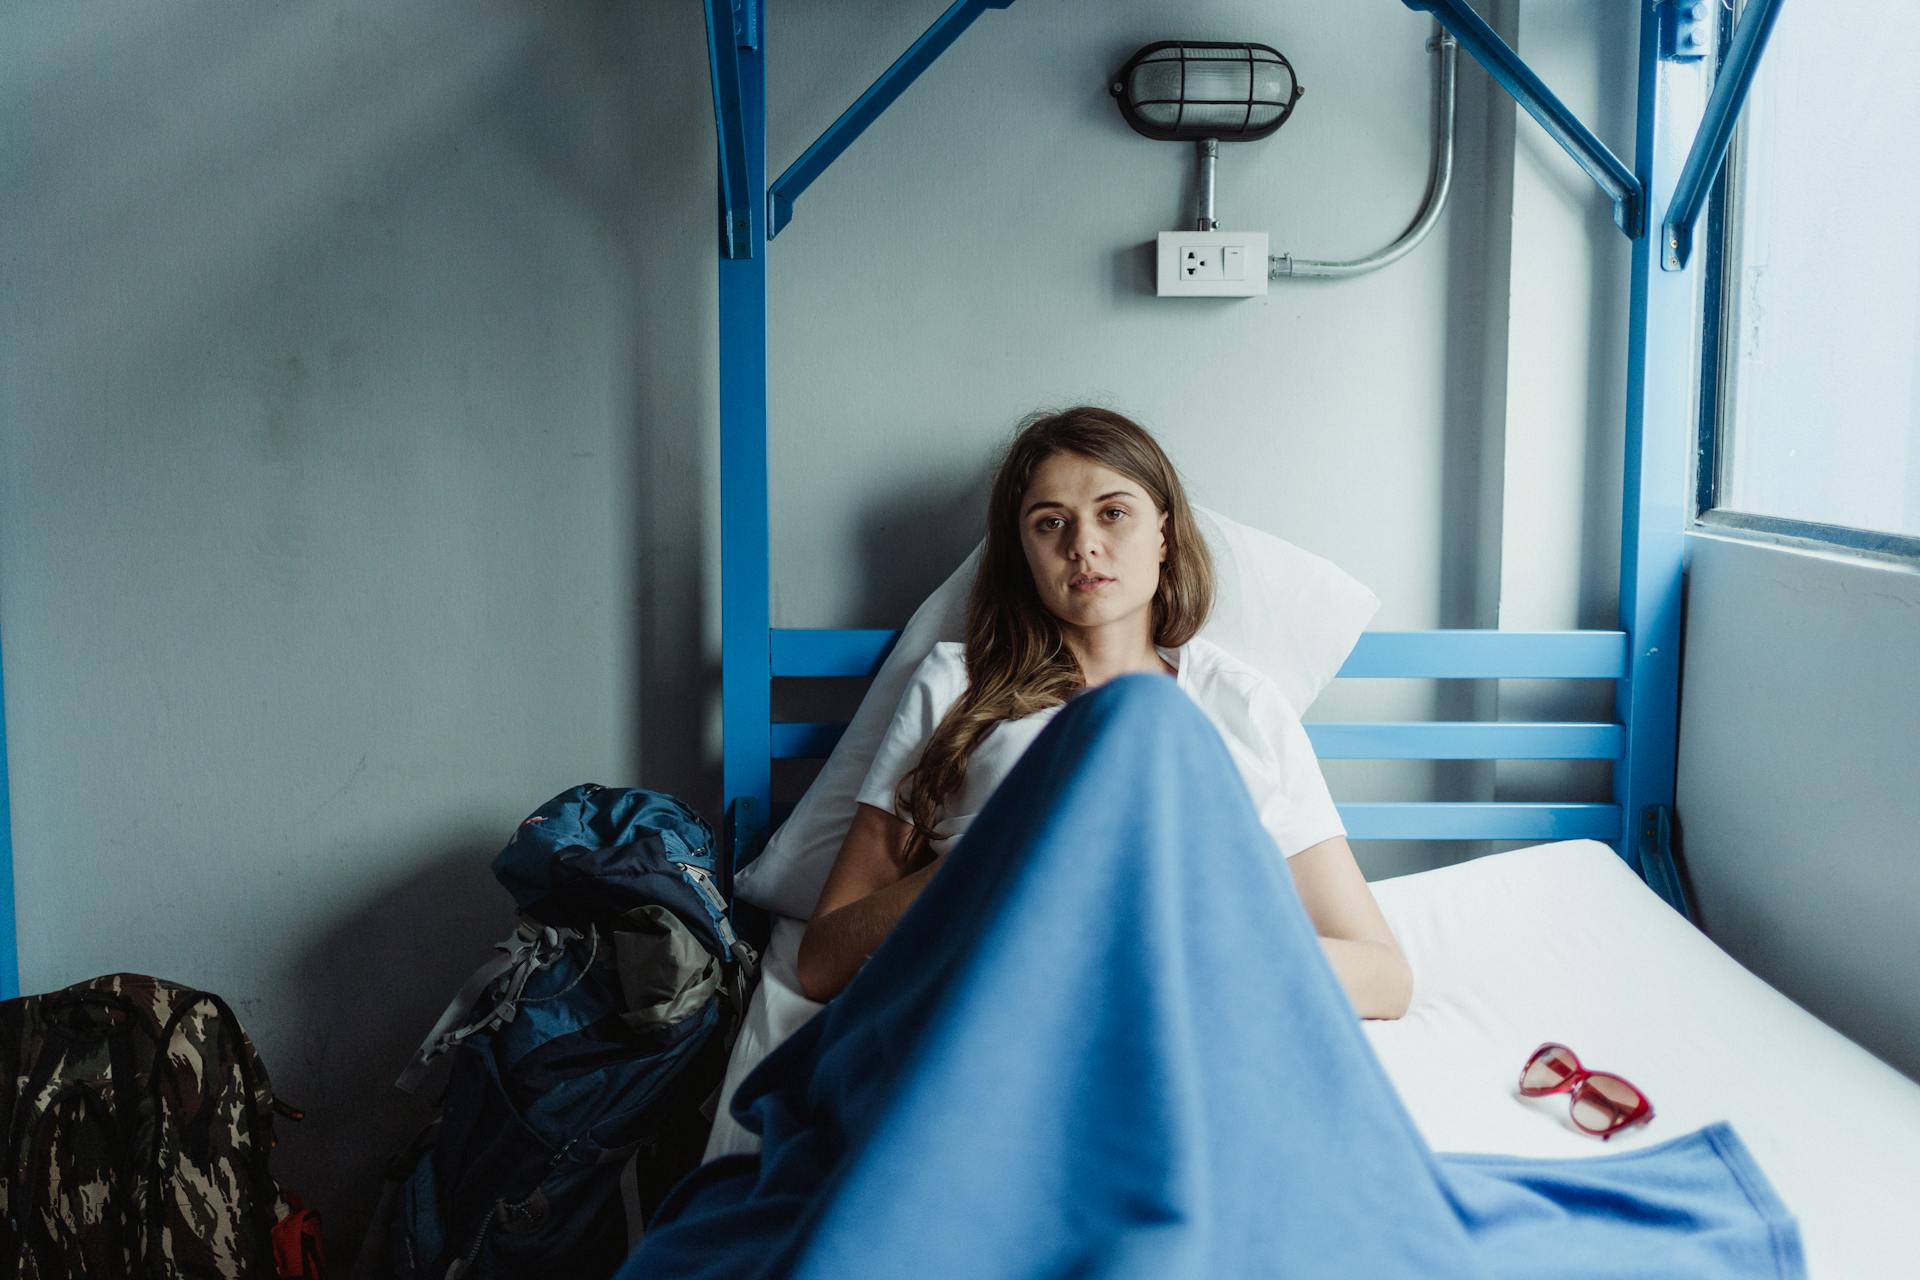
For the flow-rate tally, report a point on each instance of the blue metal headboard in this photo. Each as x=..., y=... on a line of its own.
x=1642, y=658
x=1473, y=655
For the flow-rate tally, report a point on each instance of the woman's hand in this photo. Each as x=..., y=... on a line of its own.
x=868, y=890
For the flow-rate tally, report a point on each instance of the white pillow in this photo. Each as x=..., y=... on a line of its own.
x=1284, y=611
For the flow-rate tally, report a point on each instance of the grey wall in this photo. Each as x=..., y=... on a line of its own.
x=1799, y=790
x=357, y=482
x=352, y=498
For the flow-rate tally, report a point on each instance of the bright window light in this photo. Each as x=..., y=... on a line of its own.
x=1820, y=346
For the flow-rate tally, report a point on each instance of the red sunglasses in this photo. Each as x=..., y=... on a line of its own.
x=1603, y=1103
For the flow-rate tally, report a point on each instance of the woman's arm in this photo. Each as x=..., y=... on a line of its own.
x=1355, y=935
x=866, y=893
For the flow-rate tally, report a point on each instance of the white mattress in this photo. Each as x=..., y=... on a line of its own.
x=1563, y=942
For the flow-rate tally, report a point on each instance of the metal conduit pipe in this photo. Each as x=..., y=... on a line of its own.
x=1438, y=184
x=1209, y=156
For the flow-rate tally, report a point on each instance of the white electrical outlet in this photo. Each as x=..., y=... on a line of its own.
x=1212, y=264
x=1200, y=262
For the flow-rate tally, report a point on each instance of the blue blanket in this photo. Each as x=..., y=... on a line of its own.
x=1105, y=1042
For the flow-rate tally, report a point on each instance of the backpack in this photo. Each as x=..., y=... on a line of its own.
x=138, y=1123
x=586, y=1056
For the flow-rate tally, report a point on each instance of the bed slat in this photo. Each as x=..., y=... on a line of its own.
x=1468, y=740
x=1443, y=820
x=1418, y=740
x=1413, y=655
x=850, y=652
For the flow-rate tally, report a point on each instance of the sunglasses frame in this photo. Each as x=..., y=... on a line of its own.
x=1642, y=1109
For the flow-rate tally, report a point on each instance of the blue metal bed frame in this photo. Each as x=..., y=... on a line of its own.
x=1641, y=658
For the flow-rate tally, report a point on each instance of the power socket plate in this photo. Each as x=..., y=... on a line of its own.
x=1212, y=264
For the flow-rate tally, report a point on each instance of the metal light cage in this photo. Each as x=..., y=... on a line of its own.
x=1189, y=90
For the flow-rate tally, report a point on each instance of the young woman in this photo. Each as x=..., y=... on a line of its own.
x=1115, y=1037
x=1093, y=569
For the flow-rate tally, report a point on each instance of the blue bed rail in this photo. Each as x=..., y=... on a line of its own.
x=1468, y=655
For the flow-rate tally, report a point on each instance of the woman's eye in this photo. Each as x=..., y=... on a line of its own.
x=1116, y=511
x=1047, y=525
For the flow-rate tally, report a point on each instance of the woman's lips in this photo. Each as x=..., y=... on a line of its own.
x=1088, y=584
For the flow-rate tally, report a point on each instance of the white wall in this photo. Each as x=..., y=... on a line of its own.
x=357, y=479
x=1799, y=790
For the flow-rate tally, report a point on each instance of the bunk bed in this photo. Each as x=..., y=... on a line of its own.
x=1504, y=946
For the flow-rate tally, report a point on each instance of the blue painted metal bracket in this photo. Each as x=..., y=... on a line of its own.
x=1709, y=149
x=1513, y=75
x=732, y=25
x=1657, y=864
x=879, y=96
x=1686, y=28
x=746, y=23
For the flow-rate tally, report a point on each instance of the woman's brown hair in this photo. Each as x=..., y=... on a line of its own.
x=1018, y=661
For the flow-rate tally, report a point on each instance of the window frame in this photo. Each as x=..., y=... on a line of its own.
x=1707, y=514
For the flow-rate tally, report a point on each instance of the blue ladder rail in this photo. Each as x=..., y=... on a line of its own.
x=1517, y=78
x=868, y=106
x=1709, y=150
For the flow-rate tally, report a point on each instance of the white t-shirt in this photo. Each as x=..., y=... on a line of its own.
x=1265, y=739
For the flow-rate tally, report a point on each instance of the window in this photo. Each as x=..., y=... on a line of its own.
x=1817, y=420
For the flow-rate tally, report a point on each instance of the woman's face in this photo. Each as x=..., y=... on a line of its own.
x=1094, y=542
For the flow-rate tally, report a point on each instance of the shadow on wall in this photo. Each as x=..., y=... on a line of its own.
x=673, y=391
x=911, y=537
x=388, y=967
x=1136, y=268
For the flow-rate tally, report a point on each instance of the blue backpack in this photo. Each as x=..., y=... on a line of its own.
x=587, y=1055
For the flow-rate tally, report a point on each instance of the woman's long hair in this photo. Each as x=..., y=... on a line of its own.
x=1018, y=661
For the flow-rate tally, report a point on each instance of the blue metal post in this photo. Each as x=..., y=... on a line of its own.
x=1662, y=343
x=746, y=685
x=9, y=934
x=1621, y=186
x=1730, y=86
x=867, y=108
x=732, y=25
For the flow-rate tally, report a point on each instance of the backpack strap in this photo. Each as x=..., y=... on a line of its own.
x=259, y=1142
x=529, y=948
x=630, y=1202
x=739, y=984
x=702, y=881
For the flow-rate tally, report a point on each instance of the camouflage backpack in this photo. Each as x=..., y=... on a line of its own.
x=138, y=1122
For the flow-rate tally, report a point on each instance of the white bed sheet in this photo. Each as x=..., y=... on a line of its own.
x=1563, y=942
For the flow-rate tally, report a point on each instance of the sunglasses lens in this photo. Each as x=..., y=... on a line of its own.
x=1604, y=1102
x=1552, y=1067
